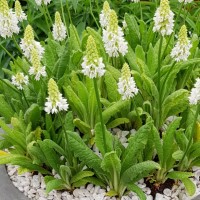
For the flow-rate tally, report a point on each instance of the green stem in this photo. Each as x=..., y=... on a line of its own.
x=141, y=14
x=75, y=32
x=46, y=19
x=66, y=141
x=158, y=85
x=100, y=113
x=9, y=86
x=25, y=98
x=7, y=52
x=93, y=15
x=191, y=137
x=63, y=16
x=48, y=14
x=16, y=44
x=136, y=109
x=169, y=71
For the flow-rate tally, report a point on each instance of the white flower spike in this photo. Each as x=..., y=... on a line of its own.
x=185, y=1
x=126, y=85
x=104, y=15
x=194, y=97
x=36, y=69
x=181, y=51
x=28, y=43
x=39, y=2
x=19, y=12
x=92, y=65
x=163, y=19
x=113, y=37
x=55, y=101
x=19, y=80
x=8, y=20
x=59, y=29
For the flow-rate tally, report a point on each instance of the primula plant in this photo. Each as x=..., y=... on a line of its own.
x=109, y=97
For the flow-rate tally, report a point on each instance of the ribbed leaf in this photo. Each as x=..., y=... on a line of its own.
x=99, y=141
x=33, y=115
x=169, y=140
x=175, y=103
x=55, y=184
x=179, y=175
x=5, y=109
x=136, y=145
x=117, y=122
x=85, y=154
x=139, y=171
x=82, y=126
x=190, y=186
x=22, y=161
x=113, y=109
x=111, y=86
x=80, y=175
x=137, y=190
x=75, y=102
x=52, y=158
x=111, y=163
x=90, y=179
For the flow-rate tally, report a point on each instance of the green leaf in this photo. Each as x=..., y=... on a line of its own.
x=5, y=109
x=117, y=122
x=136, y=145
x=134, y=32
x=113, y=109
x=99, y=141
x=55, y=184
x=84, y=153
x=139, y=52
x=190, y=186
x=137, y=190
x=33, y=115
x=179, y=175
x=138, y=171
x=52, y=158
x=111, y=164
x=111, y=193
x=75, y=102
x=80, y=175
x=152, y=62
x=111, y=86
x=86, y=180
x=169, y=140
x=83, y=127
x=69, y=121
x=177, y=155
x=74, y=38
x=175, y=103
x=22, y=161
x=65, y=173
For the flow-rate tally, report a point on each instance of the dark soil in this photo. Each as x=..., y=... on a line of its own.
x=158, y=188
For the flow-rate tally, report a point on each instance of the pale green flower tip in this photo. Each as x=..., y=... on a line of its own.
x=4, y=6
x=113, y=21
x=35, y=58
x=106, y=7
x=57, y=18
x=126, y=73
x=28, y=35
x=53, y=91
x=183, y=35
x=18, y=8
x=91, y=50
